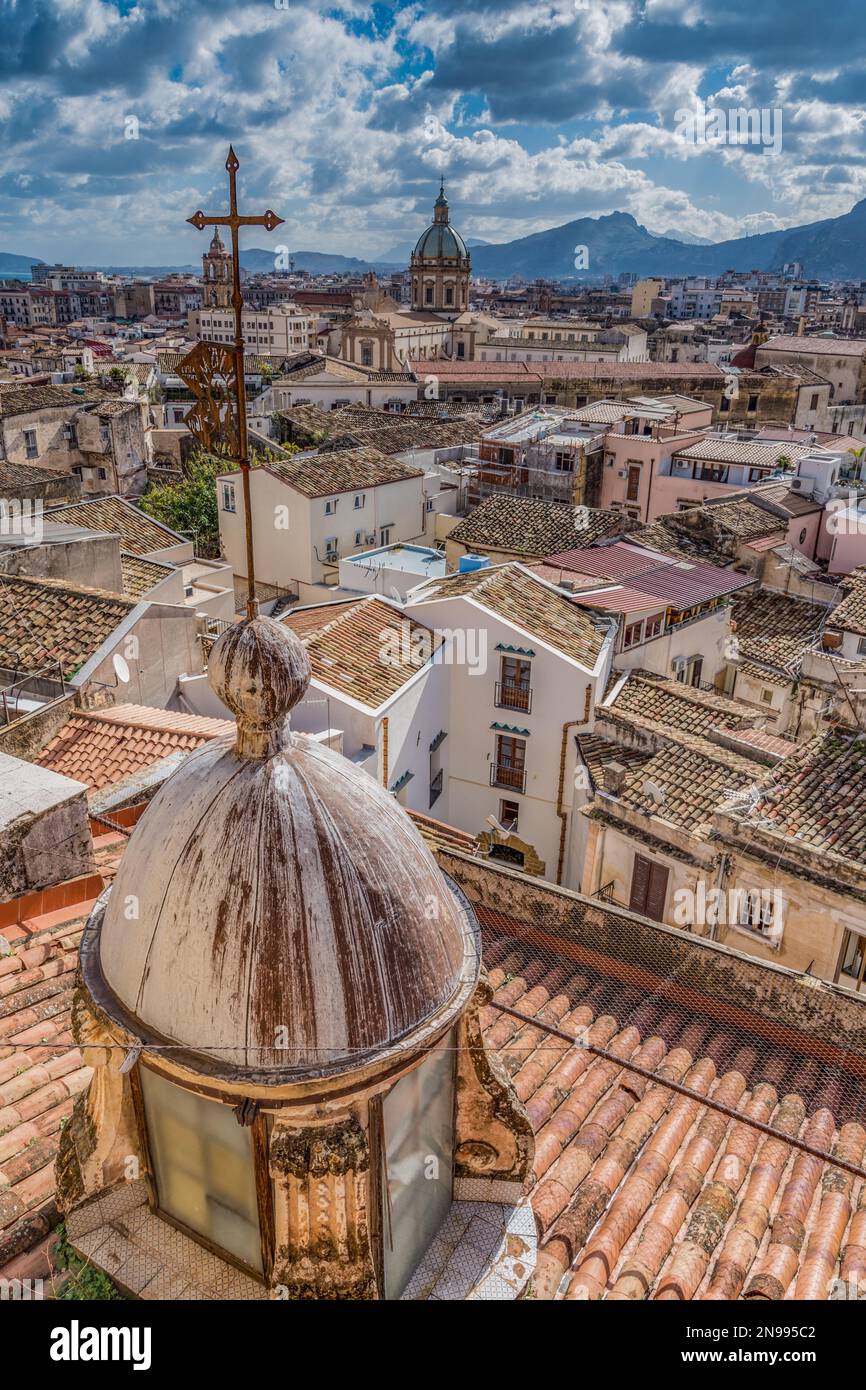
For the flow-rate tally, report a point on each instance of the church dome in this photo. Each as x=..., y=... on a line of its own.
x=439, y=241
x=276, y=913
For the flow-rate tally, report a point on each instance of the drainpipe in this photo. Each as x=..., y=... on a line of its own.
x=385, y=752
x=560, y=811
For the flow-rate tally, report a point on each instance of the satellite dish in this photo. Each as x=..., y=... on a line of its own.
x=650, y=789
x=491, y=820
x=121, y=670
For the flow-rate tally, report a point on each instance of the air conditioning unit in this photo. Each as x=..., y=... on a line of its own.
x=622, y=473
x=332, y=556
x=371, y=539
x=804, y=485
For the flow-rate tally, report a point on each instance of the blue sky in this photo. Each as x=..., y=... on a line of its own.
x=343, y=116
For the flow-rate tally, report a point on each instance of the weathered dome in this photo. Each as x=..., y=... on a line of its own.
x=440, y=240
x=276, y=912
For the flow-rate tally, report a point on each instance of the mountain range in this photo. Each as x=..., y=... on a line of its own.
x=832, y=249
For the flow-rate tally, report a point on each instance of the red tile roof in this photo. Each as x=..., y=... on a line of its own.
x=642, y=1192
x=100, y=747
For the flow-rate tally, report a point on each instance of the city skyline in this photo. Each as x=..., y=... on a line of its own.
x=115, y=115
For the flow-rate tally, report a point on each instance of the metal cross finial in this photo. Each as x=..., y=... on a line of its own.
x=235, y=221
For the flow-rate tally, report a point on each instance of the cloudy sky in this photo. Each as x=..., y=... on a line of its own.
x=343, y=115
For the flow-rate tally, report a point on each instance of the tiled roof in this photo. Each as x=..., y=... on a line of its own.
x=438, y=835
x=850, y=614
x=596, y=751
x=776, y=629
x=101, y=747
x=16, y=475
x=48, y=619
x=41, y=1069
x=403, y=435
x=365, y=648
x=320, y=475
x=693, y=779
x=743, y=518
x=526, y=526
x=817, y=797
x=782, y=495
x=140, y=575
x=830, y=347
x=764, y=742
x=651, y=701
x=758, y=455
x=642, y=1193
x=21, y=400
x=513, y=593
x=139, y=533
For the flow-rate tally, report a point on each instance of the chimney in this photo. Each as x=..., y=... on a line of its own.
x=613, y=777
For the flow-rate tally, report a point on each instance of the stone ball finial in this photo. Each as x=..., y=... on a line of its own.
x=260, y=670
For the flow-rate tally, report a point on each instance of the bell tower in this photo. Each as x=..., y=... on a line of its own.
x=217, y=274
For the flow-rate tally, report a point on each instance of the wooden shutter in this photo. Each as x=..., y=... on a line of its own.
x=649, y=886
x=639, y=884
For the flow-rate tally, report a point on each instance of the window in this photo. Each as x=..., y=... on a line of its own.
x=359, y=537
x=513, y=690
x=228, y=496
x=767, y=696
x=724, y=405
x=564, y=462
x=653, y=626
x=332, y=548
x=757, y=912
x=417, y=1125
x=102, y=474
x=436, y=775
x=428, y=294
x=385, y=535
x=30, y=445
x=852, y=961
x=360, y=498
x=366, y=354
x=632, y=492
x=449, y=295
x=813, y=404
x=753, y=404
x=203, y=1167
x=509, y=767
x=331, y=506
x=509, y=816
x=861, y=646
x=649, y=886
x=632, y=636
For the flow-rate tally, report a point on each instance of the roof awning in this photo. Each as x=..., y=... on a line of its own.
x=510, y=729
x=440, y=737
x=402, y=781
x=513, y=651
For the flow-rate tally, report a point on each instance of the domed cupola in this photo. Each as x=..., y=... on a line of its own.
x=284, y=927
x=440, y=266
x=280, y=1002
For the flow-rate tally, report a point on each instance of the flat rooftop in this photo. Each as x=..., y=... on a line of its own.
x=412, y=559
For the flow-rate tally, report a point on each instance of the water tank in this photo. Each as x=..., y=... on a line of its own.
x=468, y=563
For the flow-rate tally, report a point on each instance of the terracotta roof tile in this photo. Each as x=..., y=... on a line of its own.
x=775, y=629
x=100, y=747
x=139, y=533
x=320, y=475
x=140, y=575
x=524, y=526
x=365, y=648
x=48, y=619
x=515, y=594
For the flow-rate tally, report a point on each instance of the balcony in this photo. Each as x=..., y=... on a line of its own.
x=512, y=696
x=503, y=775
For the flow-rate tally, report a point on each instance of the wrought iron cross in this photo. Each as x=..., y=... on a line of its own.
x=235, y=221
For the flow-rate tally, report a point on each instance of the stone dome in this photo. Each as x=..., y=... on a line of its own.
x=440, y=241
x=276, y=913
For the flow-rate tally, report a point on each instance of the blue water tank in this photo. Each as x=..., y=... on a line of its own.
x=468, y=563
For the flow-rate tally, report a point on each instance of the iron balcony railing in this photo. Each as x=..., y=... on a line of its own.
x=501, y=775
x=510, y=695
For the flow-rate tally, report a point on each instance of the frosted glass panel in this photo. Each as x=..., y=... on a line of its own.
x=418, y=1119
x=204, y=1167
